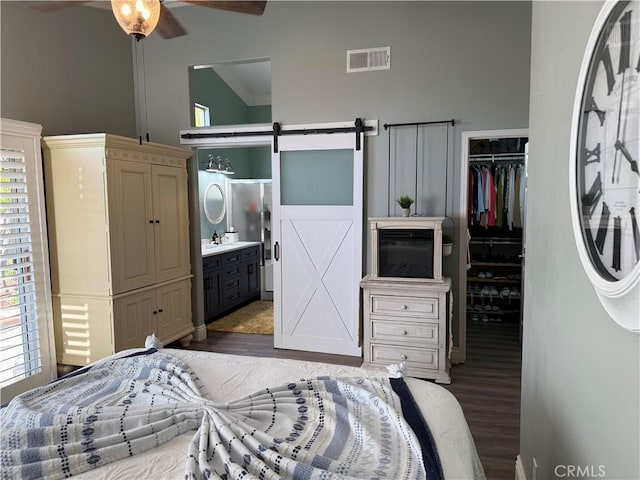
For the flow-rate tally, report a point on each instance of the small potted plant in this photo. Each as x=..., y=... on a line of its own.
x=405, y=202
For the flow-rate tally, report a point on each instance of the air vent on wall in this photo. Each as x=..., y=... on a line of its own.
x=368, y=59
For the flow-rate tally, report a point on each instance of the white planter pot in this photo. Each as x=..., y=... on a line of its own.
x=406, y=212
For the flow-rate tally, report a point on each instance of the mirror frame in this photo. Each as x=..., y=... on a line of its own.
x=209, y=214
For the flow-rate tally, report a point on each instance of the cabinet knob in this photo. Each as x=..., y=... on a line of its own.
x=403, y=307
x=155, y=312
x=403, y=357
x=160, y=311
x=404, y=332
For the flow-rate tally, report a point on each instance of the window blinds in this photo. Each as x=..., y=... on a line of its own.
x=20, y=353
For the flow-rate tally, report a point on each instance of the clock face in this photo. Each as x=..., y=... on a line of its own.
x=608, y=146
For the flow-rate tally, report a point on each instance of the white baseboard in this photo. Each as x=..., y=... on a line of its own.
x=520, y=473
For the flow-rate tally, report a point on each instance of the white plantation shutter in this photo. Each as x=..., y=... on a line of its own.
x=25, y=302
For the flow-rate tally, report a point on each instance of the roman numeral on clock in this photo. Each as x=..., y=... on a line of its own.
x=625, y=42
x=636, y=232
x=590, y=200
x=617, y=240
x=605, y=58
x=603, y=227
x=591, y=156
x=593, y=107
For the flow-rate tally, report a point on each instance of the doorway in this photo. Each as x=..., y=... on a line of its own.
x=491, y=262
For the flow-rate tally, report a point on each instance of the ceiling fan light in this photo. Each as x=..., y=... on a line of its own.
x=137, y=18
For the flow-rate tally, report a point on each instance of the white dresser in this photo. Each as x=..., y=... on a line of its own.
x=119, y=244
x=407, y=321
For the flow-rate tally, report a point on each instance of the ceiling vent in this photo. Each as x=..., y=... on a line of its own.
x=369, y=59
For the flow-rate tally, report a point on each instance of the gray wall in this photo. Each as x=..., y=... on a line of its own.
x=463, y=60
x=581, y=372
x=70, y=70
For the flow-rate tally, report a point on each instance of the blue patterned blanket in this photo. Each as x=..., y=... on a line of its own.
x=311, y=429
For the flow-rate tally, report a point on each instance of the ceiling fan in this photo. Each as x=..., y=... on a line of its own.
x=139, y=18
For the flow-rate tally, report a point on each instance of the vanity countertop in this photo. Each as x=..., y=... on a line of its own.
x=208, y=250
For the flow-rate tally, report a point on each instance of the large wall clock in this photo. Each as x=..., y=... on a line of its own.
x=605, y=161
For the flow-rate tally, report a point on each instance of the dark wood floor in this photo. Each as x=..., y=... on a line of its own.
x=487, y=385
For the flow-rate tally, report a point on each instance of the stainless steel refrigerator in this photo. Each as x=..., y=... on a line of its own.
x=249, y=213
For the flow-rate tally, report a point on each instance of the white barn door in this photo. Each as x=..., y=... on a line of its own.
x=317, y=238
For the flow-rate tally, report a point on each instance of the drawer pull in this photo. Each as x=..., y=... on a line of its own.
x=403, y=357
x=404, y=332
x=403, y=307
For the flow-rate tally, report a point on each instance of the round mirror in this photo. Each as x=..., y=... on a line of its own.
x=215, y=203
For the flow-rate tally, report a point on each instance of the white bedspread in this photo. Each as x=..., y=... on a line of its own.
x=229, y=377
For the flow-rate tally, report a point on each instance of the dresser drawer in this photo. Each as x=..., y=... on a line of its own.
x=231, y=258
x=388, y=330
x=231, y=297
x=230, y=283
x=411, y=356
x=250, y=253
x=415, y=307
x=212, y=262
x=231, y=270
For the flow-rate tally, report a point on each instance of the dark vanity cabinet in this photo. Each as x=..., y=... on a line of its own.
x=230, y=279
x=250, y=280
x=211, y=283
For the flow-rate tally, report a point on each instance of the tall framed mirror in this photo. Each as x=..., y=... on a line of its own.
x=214, y=203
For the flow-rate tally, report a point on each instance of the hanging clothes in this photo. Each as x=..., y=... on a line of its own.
x=496, y=195
x=500, y=198
x=516, y=199
x=511, y=198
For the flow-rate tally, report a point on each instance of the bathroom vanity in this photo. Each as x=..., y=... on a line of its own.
x=231, y=277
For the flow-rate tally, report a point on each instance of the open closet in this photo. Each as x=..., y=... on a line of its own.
x=495, y=208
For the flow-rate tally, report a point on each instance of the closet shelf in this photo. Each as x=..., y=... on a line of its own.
x=499, y=157
x=492, y=312
x=495, y=241
x=495, y=264
x=493, y=297
x=493, y=280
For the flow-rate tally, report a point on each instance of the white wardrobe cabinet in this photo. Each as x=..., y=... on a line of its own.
x=163, y=310
x=118, y=218
x=149, y=222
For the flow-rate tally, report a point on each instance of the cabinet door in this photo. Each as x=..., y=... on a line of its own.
x=251, y=279
x=134, y=319
x=170, y=206
x=211, y=287
x=131, y=220
x=174, y=310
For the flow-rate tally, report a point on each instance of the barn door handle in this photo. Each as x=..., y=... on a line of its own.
x=276, y=251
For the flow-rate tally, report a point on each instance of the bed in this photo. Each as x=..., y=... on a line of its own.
x=248, y=386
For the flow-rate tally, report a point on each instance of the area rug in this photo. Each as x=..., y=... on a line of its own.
x=257, y=317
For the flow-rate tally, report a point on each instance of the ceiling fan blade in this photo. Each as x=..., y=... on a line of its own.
x=252, y=8
x=168, y=25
